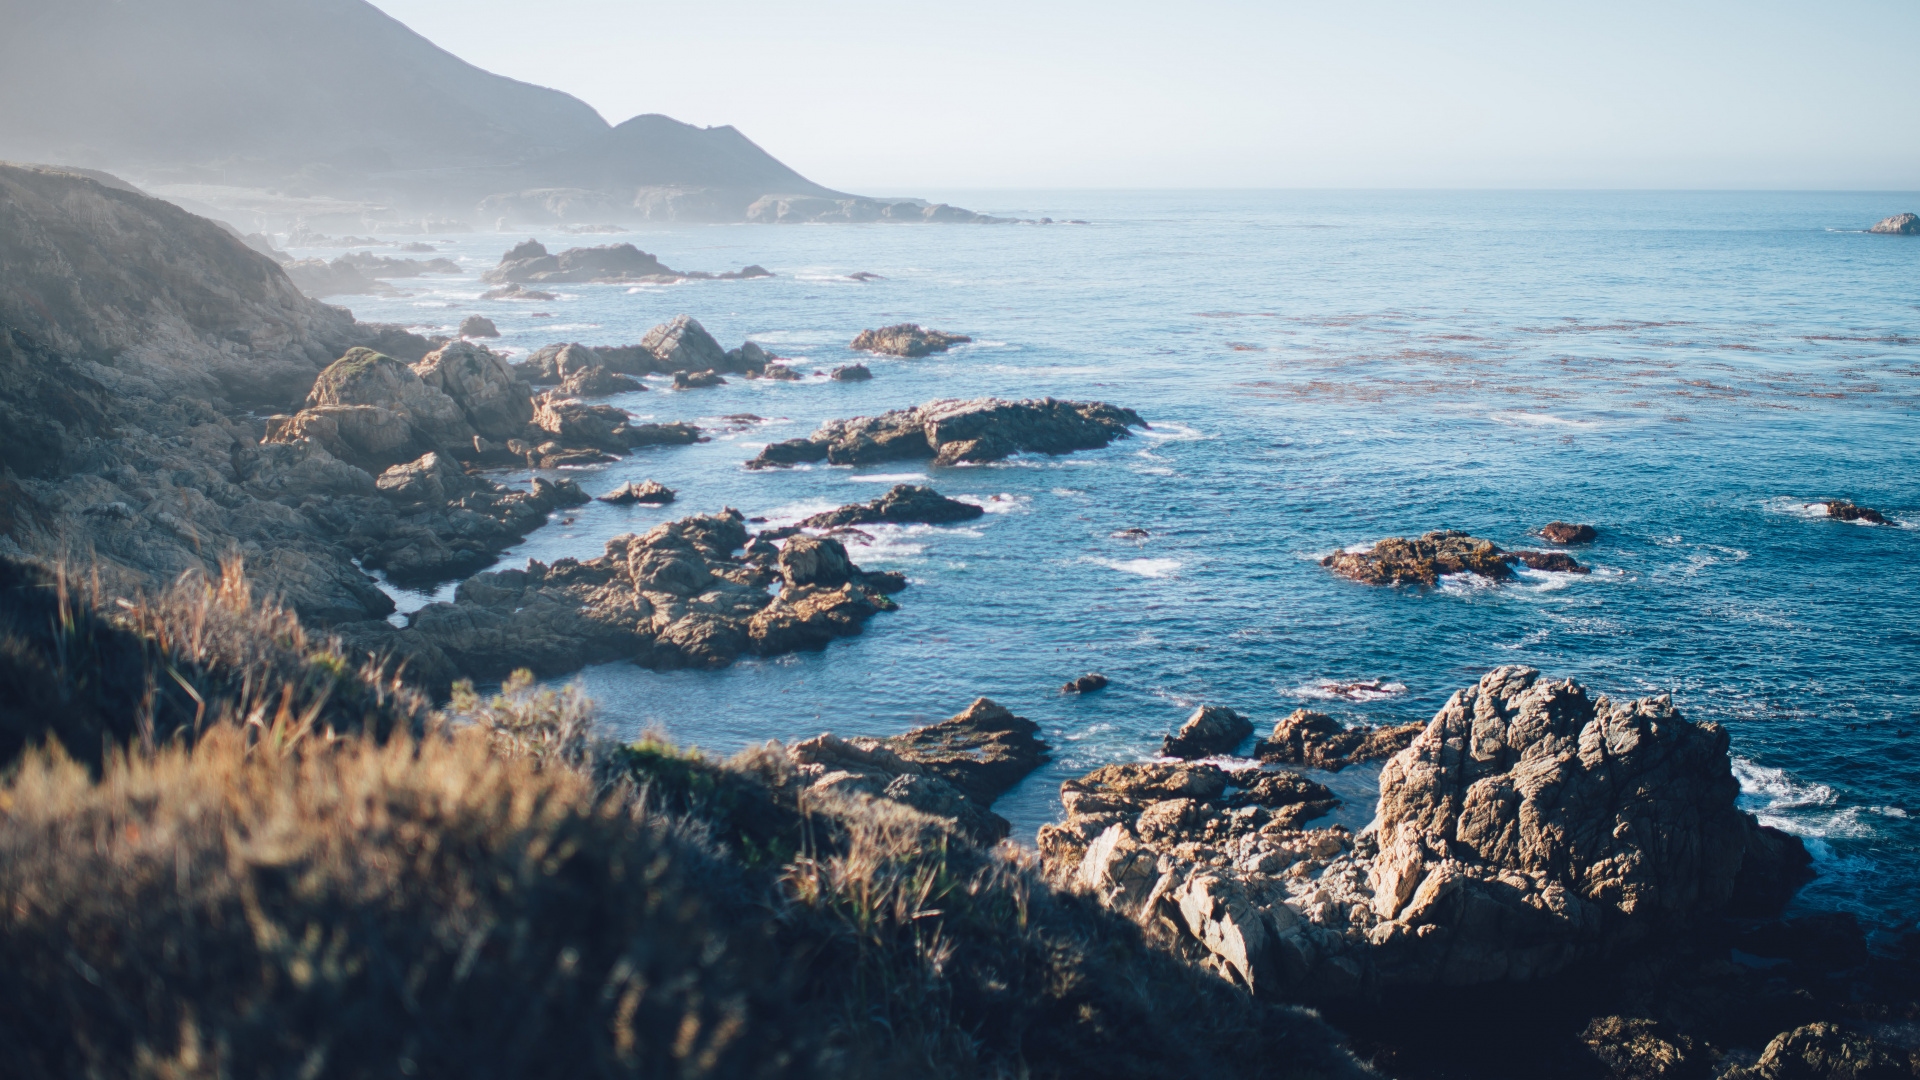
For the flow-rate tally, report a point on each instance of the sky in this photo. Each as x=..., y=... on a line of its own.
x=892, y=97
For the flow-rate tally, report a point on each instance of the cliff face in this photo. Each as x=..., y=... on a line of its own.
x=153, y=300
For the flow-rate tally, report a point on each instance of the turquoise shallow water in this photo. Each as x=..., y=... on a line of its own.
x=1684, y=370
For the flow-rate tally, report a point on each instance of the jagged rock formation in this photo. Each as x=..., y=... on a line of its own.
x=598, y=382
x=675, y=597
x=902, y=504
x=1212, y=729
x=907, y=339
x=1847, y=511
x=1898, y=225
x=651, y=491
x=951, y=432
x=1399, y=561
x=1318, y=741
x=1527, y=827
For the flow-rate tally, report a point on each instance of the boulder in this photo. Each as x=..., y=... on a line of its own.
x=1847, y=511
x=780, y=373
x=1528, y=827
x=478, y=326
x=951, y=432
x=697, y=380
x=1400, y=561
x=496, y=403
x=682, y=344
x=851, y=373
x=907, y=339
x=598, y=382
x=984, y=751
x=1085, y=684
x=1827, y=1051
x=1561, y=532
x=1899, y=225
x=902, y=504
x=365, y=377
x=1318, y=741
x=1212, y=729
x=648, y=492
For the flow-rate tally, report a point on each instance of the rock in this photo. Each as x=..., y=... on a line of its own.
x=780, y=372
x=1212, y=729
x=478, y=326
x=864, y=275
x=497, y=404
x=517, y=291
x=365, y=377
x=682, y=344
x=1131, y=534
x=1846, y=511
x=1899, y=225
x=672, y=598
x=1639, y=1049
x=697, y=380
x=606, y=428
x=649, y=492
x=318, y=278
x=907, y=339
x=530, y=263
x=598, y=382
x=870, y=768
x=1528, y=827
x=1826, y=1051
x=431, y=479
x=984, y=751
x=1560, y=532
x=950, y=432
x=1318, y=741
x=1085, y=684
x=902, y=504
x=1399, y=561
x=851, y=373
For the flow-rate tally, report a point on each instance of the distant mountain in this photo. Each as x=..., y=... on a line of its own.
x=330, y=112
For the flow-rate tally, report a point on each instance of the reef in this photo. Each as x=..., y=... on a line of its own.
x=955, y=432
x=1422, y=561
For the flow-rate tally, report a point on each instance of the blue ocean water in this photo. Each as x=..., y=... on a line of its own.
x=1686, y=371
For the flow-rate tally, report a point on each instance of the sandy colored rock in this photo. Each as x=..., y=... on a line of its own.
x=907, y=339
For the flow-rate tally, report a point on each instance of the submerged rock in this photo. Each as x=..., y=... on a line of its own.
x=1212, y=729
x=780, y=373
x=1527, y=827
x=682, y=344
x=1561, y=532
x=902, y=504
x=851, y=373
x=1846, y=511
x=1085, y=684
x=1318, y=741
x=1400, y=561
x=951, y=432
x=1899, y=225
x=907, y=339
x=648, y=492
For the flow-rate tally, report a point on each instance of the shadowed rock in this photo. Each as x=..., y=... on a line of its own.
x=478, y=326
x=1318, y=741
x=983, y=751
x=851, y=373
x=697, y=380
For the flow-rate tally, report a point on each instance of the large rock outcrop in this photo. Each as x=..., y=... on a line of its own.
x=529, y=263
x=675, y=597
x=1529, y=826
x=497, y=403
x=1423, y=561
x=953, y=432
x=1898, y=225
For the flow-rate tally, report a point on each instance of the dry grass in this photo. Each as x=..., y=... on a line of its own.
x=264, y=891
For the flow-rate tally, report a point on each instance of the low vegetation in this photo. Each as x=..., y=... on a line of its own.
x=225, y=850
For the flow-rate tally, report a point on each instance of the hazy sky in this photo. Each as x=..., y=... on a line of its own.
x=891, y=98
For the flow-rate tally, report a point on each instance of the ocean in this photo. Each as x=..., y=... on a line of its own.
x=1686, y=371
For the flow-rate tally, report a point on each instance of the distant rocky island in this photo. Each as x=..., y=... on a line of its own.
x=387, y=132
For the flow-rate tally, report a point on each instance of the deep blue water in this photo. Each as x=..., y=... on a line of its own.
x=1322, y=369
